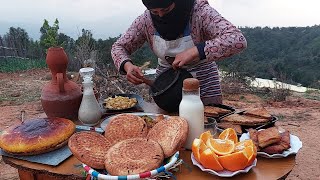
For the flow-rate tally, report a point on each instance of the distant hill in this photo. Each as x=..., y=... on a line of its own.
x=291, y=54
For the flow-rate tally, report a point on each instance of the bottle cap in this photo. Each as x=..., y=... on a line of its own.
x=190, y=84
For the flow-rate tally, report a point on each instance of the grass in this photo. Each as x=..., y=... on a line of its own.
x=16, y=64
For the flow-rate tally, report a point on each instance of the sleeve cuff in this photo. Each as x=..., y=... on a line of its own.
x=200, y=48
x=121, y=69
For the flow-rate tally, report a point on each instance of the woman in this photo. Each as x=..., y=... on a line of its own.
x=186, y=34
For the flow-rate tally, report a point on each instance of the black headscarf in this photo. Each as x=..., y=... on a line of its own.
x=171, y=25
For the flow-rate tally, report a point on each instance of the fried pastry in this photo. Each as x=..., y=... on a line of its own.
x=212, y=111
x=254, y=137
x=245, y=120
x=133, y=156
x=268, y=136
x=279, y=147
x=258, y=112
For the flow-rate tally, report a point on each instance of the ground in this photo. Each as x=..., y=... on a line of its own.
x=298, y=114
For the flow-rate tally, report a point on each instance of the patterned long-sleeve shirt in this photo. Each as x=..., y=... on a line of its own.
x=218, y=38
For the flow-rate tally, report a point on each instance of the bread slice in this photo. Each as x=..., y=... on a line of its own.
x=125, y=126
x=258, y=112
x=278, y=148
x=133, y=156
x=36, y=136
x=89, y=148
x=212, y=111
x=171, y=134
x=268, y=136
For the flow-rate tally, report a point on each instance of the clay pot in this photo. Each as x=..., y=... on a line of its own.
x=60, y=97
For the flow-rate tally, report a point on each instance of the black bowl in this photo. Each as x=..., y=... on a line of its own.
x=167, y=89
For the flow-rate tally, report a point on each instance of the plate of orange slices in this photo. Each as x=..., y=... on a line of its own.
x=224, y=156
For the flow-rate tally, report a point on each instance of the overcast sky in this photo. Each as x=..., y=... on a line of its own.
x=109, y=18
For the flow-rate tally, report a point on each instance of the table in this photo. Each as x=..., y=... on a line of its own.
x=71, y=168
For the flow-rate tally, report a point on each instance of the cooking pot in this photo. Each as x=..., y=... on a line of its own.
x=167, y=89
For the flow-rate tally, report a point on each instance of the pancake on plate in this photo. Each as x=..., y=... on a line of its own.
x=125, y=126
x=36, y=136
x=89, y=148
x=133, y=156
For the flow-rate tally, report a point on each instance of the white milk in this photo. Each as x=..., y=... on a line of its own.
x=191, y=108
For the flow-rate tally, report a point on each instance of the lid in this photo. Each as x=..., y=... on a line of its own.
x=86, y=74
x=190, y=84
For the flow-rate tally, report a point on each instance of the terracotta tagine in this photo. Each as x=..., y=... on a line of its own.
x=60, y=97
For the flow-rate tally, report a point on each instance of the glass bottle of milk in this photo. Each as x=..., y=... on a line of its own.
x=191, y=108
x=89, y=112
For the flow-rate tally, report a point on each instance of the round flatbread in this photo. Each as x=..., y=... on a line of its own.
x=133, y=156
x=171, y=134
x=125, y=126
x=89, y=148
x=36, y=136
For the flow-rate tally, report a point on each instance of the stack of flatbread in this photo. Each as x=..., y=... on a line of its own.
x=250, y=117
x=212, y=111
x=129, y=146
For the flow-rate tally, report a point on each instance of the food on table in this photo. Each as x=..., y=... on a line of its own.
x=171, y=134
x=150, y=121
x=119, y=102
x=36, y=136
x=223, y=154
x=205, y=136
x=89, y=148
x=210, y=160
x=278, y=148
x=269, y=135
x=230, y=134
x=133, y=156
x=211, y=111
x=258, y=112
x=125, y=126
x=226, y=125
x=245, y=120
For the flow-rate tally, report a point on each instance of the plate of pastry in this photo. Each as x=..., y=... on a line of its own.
x=273, y=142
x=120, y=102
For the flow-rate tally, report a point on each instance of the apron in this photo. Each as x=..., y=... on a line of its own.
x=206, y=72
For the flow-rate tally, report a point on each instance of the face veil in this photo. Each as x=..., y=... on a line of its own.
x=171, y=25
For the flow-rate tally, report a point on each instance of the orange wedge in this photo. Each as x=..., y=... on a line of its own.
x=230, y=134
x=198, y=146
x=241, y=145
x=251, y=152
x=205, y=136
x=209, y=160
x=235, y=161
x=220, y=146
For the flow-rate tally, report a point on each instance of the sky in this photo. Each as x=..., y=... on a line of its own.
x=109, y=18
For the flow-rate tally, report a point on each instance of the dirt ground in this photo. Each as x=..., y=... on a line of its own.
x=301, y=116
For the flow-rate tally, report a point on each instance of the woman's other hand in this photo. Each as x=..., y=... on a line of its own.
x=134, y=74
x=186, y=57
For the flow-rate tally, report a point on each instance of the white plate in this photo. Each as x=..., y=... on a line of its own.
x=104, y=123
x=224, y=173
x=295, y=144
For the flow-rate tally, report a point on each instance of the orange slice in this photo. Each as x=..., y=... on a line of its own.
x=241, y=145
x=235, y=161
x=230, y=134
x=205, y=136
x=251, y=152
x=209, y=160
x=220, y=146
x=198, y=146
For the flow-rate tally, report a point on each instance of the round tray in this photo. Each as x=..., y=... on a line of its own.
x=172, y=160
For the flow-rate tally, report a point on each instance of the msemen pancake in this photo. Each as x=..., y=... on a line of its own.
x=36, y=136
x=125, y=126
x=171, y=134
x=133, y=156
x=89, y=148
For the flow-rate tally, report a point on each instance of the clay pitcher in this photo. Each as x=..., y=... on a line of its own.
x=60, y=97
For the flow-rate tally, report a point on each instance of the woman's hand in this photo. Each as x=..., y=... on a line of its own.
x=186, y=57
x=134, y=74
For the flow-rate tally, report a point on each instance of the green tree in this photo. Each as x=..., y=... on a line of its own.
x=49, y=34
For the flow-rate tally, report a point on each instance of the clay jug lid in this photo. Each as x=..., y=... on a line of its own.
x=191, y=84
